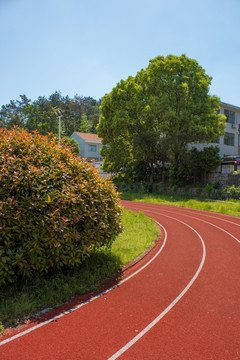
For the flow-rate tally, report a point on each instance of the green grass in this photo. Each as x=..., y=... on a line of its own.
x=21, y=300
x=139, y=234
x=231, y=207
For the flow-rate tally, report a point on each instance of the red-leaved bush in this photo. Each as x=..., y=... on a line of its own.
x=54, y=207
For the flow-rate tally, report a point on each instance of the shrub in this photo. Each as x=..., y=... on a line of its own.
x=233, y=192
x=54, y=207
x=178, y=174
x=237, y=172
x=72, y=144
x=209, y=189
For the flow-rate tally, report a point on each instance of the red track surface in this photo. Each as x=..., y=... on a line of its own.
x=182, y=301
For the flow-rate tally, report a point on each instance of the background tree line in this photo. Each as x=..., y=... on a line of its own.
x=79, y=114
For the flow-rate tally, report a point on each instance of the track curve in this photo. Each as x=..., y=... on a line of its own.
x=181, y=302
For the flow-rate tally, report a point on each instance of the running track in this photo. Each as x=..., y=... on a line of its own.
x=182, y=301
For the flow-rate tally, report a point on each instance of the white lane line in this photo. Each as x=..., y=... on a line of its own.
x=173, y=303
x=218, y=227
x=196, y=218
x=92, y=299
x=205, y=213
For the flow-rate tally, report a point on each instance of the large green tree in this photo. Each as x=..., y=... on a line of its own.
x=156, y=114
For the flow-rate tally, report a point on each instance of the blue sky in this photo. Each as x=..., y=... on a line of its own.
x=87, y=47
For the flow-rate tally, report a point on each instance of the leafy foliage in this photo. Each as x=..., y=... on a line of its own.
x=233, y=192
x=79, y=114
x=72, y=143
x=203, y=162
x=153, y=116
x=194, y=166
x=54, y=207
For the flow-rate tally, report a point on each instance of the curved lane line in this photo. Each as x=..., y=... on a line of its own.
x=219, y=218
x=218, y=227
x=149, y=262
x=173, y=303
x=207, y=222
x=90, y=300
x=205, y=213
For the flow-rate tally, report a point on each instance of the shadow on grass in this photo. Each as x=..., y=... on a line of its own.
x=59, y=290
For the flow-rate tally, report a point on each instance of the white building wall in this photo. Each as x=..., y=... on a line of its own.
x=92, y=154
x=231, y=129
x=80, y=142
x=84, y=147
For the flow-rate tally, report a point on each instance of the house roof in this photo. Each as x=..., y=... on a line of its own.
x=89, y=137
x=230, y=106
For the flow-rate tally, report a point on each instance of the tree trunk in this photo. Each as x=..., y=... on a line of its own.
x=151, y=173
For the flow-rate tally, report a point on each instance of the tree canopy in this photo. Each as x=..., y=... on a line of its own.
x=79, y=114
x=153, y=116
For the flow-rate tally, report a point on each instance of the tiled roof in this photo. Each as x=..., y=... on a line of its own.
x=88, y=137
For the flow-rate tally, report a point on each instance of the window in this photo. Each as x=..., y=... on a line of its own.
x=230, y=116
x=217, y=141
x=229, y=139
x=92, y=147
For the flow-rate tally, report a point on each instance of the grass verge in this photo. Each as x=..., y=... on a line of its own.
x=231, y=207
x=20, y=301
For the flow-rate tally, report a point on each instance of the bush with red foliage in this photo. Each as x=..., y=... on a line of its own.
x=54, y=207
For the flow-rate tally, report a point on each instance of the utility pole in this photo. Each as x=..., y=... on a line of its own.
x=59, y=115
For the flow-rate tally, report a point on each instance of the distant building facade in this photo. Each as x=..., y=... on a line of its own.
x=90, y=145
x=229, y=144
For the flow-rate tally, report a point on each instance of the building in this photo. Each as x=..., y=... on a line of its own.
x=229, y=144
x=90, y=145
